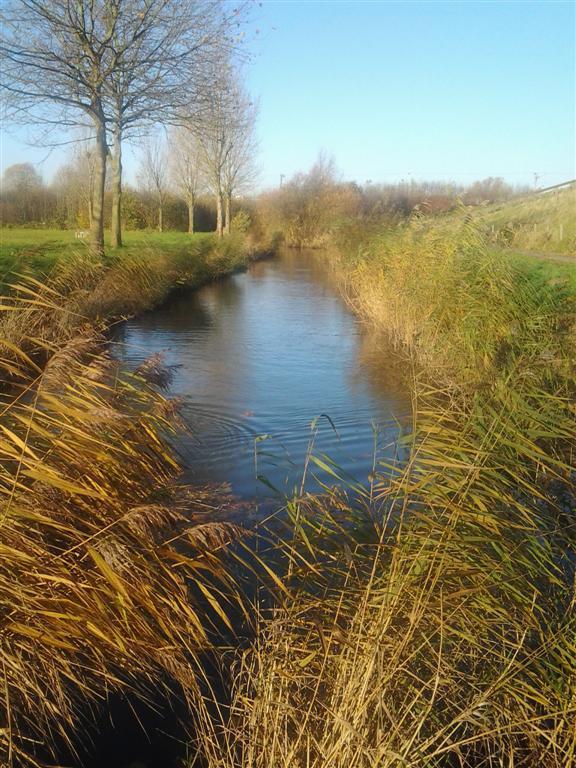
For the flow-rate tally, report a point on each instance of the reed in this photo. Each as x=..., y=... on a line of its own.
x=431, y=620
x=111, y=573
x=466, y=314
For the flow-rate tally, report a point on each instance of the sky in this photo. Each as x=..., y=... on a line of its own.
x=404, y=90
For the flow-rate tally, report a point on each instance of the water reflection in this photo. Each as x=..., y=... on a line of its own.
x=260, y=355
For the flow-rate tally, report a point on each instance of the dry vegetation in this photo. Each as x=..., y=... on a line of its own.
x=468, y=314
x=432, y=622
x=110, y=576
x=103, y=574
x=427, y=621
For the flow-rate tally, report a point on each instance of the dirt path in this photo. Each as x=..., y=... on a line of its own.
x=544, y=256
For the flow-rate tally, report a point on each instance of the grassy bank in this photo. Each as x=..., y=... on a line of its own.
x=464, y=311
x=80, y=292
x=111, y=576
x=41, y=251
x=544, y=223
x=431, y=622
x=549, y=270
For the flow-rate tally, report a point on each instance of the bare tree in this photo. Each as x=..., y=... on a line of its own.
x=226, y=137
x=185, y=162
x=153, y=175
x=56, y=56
x=168, y=53
x=112, y=64
x=239, y=168
x=21, y=177
x=305, y=205
x=212, y=141
x=73, y=185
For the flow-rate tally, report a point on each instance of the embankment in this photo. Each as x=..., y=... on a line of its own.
x=433, y=622
x=111, y=577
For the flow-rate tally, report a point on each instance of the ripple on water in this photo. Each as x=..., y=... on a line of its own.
x=263, y=354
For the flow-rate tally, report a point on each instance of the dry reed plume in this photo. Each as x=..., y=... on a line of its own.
x=111, y=576
x=431, y=623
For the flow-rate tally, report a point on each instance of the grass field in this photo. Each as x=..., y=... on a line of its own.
x=548, y=269
x=543, y=223
x=40, y=250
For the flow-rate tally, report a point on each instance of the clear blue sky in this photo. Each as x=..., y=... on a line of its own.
x=435, y=90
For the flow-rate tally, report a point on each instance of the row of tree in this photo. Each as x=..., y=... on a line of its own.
x=65, y=202
x=218, y=159
x=115, y=70
x=186, y=182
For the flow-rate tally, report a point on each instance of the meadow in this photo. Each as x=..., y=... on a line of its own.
x=40, y=250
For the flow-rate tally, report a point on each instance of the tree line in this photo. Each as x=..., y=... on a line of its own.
x=65, y=202
x=115, y=70
x=175, y=189
x=186, y=179
x=312, y=206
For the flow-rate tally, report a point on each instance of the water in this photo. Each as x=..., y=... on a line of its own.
x=261, y=353
x=260, y=356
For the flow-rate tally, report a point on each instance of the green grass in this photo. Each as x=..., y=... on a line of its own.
x=131, y=279
x=40, y=250
x=548, y=270
x=35, y=249
x=543, y=223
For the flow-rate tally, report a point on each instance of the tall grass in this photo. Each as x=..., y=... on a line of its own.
x=465, y=313
x=445, y=638
x=111, y=575
x=433, y=621
x=543, y=222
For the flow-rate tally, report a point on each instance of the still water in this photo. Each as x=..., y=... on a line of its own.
x=259, y=358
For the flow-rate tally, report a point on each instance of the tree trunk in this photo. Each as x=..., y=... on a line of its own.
x=160, y=217
x=191, y=214
x=227, y=209
x=97, y=226
x=117, y=189
x=219, y=226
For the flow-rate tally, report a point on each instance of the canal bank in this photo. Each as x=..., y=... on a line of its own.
x=447, y=586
